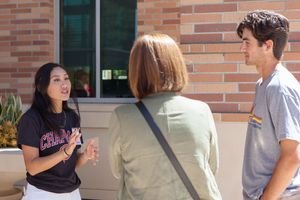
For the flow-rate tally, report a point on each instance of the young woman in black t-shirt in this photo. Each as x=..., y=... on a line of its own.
x=51, y=149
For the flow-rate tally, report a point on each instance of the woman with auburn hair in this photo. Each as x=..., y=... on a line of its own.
x=157, y=75
x=156, y=65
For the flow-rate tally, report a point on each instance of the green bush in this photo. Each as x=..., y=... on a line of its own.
x=10, y=114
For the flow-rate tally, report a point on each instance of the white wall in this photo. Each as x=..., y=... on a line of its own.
x=231, y=143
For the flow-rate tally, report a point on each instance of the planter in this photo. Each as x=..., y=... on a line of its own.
x=11, y=160
x=10, y=194
x=12, y=169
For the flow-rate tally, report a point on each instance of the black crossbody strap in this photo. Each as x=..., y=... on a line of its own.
x=167, y=149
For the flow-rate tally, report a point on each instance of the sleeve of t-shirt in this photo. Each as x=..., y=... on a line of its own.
x=285, y=114
x=28, y=132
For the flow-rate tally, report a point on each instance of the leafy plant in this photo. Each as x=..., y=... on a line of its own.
x=10, y=114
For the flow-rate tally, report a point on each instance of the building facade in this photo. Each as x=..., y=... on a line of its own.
x=92, y=38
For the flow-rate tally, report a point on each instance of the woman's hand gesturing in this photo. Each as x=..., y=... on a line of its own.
x=75, y=136
x=91, y=152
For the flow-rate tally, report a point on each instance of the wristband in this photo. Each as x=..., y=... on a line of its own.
x=66, y=152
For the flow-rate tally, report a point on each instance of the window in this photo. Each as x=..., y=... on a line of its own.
x=95, y=42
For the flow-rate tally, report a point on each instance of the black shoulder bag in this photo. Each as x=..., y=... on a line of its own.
x=167, y=149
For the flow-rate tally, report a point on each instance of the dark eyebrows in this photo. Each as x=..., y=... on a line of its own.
x=57, y=76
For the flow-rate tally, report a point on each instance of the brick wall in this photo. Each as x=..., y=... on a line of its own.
x=26, y=42
x=159, y=16
x=204, y=29
x=208, y=40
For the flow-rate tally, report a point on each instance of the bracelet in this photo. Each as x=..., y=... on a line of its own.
x=66, y=152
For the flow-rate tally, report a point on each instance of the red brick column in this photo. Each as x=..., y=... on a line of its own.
x=26, y=42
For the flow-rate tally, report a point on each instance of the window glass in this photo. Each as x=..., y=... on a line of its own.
x=78, y=45
x=117, y=33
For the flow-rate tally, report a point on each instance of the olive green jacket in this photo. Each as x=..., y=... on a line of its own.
x=138, y=160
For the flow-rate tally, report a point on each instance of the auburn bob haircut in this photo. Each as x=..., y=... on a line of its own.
x=156, y=65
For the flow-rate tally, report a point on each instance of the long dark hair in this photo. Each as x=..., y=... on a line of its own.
x=41, y=100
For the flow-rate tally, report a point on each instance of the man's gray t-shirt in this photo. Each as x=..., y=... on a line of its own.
x=275, y=116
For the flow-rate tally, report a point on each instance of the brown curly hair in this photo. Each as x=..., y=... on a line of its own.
x=266, y=25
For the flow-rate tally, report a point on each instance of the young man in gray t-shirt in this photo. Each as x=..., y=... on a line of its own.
x=272, y=148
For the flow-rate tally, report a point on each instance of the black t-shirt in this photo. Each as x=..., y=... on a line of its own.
x=33, y=132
